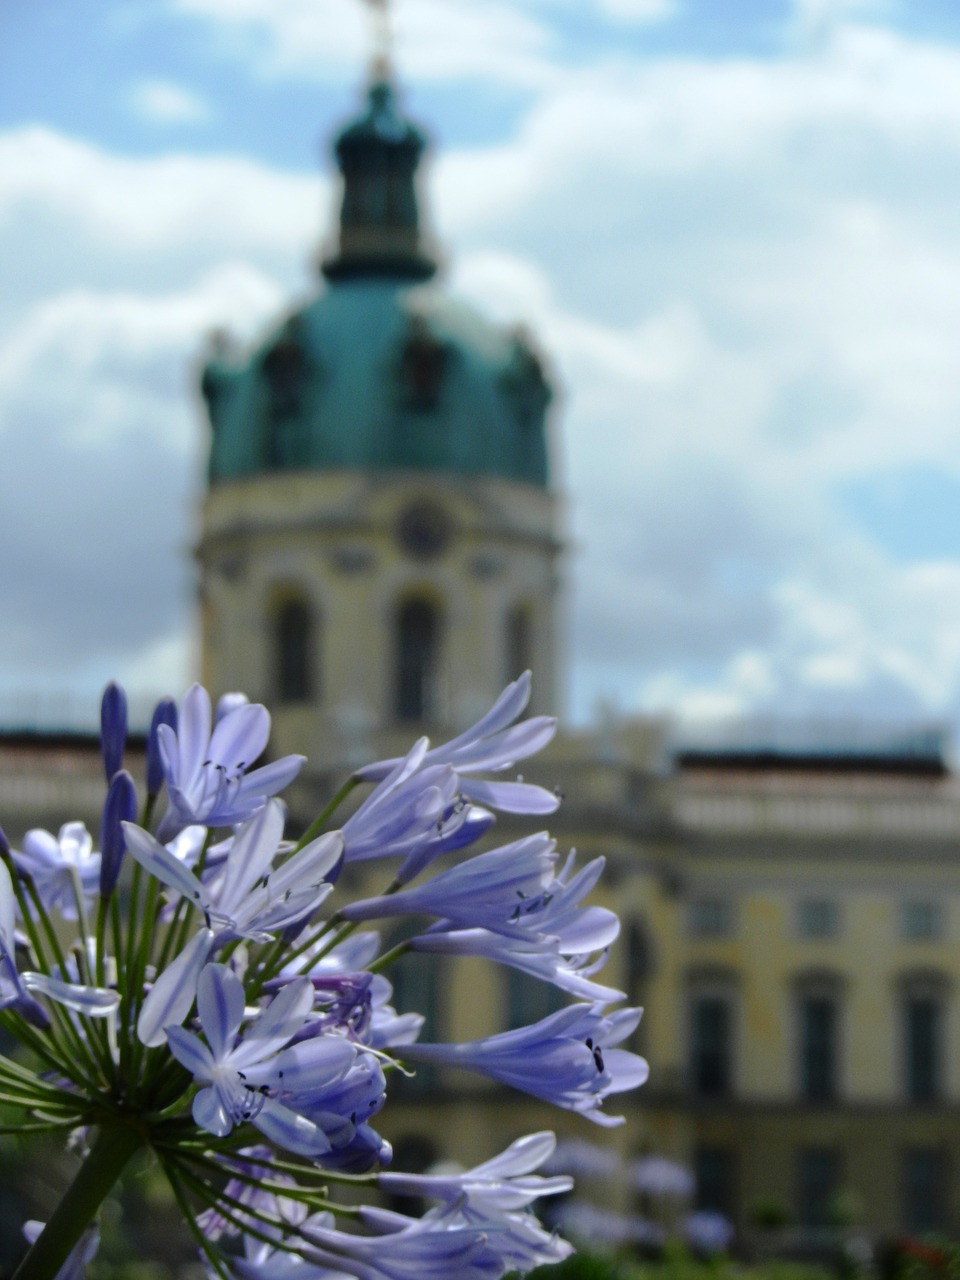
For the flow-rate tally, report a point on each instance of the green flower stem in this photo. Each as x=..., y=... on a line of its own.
x=317, y=826
x=388, y=957
x=113, y=1147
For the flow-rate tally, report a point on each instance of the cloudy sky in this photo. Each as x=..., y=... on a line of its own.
x=734, y=224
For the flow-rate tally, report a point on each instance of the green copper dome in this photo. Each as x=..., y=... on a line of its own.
x=382, y=369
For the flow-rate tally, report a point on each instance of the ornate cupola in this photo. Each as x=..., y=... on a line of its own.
x=380, y=539
x=380, y=229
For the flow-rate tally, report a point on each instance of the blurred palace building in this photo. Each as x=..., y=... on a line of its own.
x=381, y=551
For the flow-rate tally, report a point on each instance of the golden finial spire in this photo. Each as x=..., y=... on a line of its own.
x=380, y=65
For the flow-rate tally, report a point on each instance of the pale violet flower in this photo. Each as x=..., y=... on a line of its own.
x=414, y=811
x=504, y=1184
x=208, y=768
x=606, y=1229
x=501, y=890
x=708, y=1232
x=245, y=898
x=243, y=1073
x=16, y=989
x=658, y=1176
x=542, y=958
x=429, y=1248
x=565, y=1059
x=493, y=744
x=61, y=865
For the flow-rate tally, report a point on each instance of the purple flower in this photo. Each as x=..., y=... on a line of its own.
x=207, y=773
x=502, y=890
x=16, y=988
x=243, y=1075
x=244, y=897
x=429, y=1248
x=552, y=936
x=414, y=812
x=254, y=1162
x=59, y=864
x=565, y=1059
x=541, y=958
x=503, y=1184
x=13, y=993
x=494, y=743
x=708, y=1232
x=606, y=1229
x=658, y=1176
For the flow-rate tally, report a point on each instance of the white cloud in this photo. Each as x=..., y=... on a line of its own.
x=135, y=206
x=162, y=102
x=638, y=10
x=446, y=40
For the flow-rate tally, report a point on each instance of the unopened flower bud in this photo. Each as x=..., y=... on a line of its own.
x=165, y=712
x=113, y=728
x=119, y=807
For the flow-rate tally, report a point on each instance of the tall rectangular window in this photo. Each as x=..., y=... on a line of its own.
x=922, y=1048
x=924, y=1190
x=818, y=1180
x=818, y=918
x=710, y=917
x=710, y=1046
x=714, y=1172
x=921, y=920
x=818, y=1048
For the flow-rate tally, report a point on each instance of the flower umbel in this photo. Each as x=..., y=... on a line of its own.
x=200, y=997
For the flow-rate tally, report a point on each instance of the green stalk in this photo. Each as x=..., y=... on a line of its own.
x=320, y=821
x=113, y=1147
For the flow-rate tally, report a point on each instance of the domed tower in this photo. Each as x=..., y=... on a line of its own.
x=379, y=546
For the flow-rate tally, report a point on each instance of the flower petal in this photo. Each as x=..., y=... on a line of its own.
x=210, y=1114
x=240, y=737
x=193, y=733
x=95, y=1002
x=190, y=1051
x=220, y=1001
x=290, y=1130
x=164, y=866
x=279, y=1022
x=171, y=997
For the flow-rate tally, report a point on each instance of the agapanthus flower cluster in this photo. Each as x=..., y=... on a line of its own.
x=193, y=987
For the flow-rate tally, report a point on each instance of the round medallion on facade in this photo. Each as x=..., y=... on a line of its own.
x=424, y=530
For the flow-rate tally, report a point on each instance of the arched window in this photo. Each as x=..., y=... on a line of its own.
x=518, y=642
x=417, y=657
x=294, y=649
